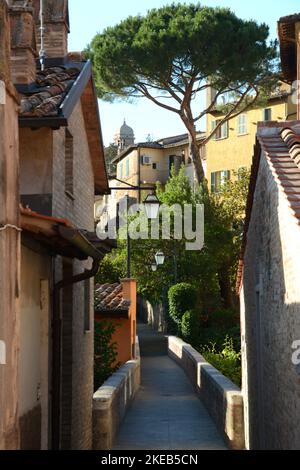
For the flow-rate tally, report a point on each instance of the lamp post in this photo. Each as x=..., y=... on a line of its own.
x=160, y=259
x=152, y=205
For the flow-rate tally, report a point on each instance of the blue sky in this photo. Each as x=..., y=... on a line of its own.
x=92, y=16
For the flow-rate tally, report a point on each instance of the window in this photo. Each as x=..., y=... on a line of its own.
x=69, y=163
x=155, y=166
x=127, y=167
x=218, y=178
x=222, y=132
x=242, y=124
x=267, y=114
x=87, y=305
x=121, y=170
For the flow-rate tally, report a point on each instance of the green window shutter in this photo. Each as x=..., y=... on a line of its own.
x=213, y=182
x=213, y=126
x=121, y=170
x=127, y=167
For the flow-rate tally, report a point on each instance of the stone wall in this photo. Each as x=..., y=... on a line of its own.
x=270, y=314
x=112, y=400
x=222, y=398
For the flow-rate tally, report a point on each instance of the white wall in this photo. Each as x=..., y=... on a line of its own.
x=34, y=335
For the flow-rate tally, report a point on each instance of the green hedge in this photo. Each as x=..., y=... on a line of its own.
x=182, y=297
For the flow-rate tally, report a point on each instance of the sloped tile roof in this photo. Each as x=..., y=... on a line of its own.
x=109, y=297
x=282, y=150
x=49, y=91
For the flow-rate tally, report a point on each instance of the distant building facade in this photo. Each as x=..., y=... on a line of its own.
x=231, y=149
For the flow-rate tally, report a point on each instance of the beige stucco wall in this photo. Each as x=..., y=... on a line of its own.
x=34, y=342
x=148, y=175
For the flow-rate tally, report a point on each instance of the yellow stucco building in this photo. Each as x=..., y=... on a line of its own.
x=145, y=164
x=232, y=147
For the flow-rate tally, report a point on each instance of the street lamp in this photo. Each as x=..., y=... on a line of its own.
x=154, y=266
x=160, y=258
x=152, y=206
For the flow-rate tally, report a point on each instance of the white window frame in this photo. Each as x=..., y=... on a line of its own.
x=242, y=124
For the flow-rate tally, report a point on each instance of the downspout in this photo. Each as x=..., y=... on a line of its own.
x=77, y=240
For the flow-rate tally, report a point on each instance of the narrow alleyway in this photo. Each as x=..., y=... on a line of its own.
x=166, y=413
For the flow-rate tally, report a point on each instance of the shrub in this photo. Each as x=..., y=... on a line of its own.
x=190, y=326
x=223, y=318
x=105, y=352
x=228, y=361
x=217, y=336
x=182, y=297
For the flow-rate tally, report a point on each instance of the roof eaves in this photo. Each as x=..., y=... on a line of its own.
x=67, y=106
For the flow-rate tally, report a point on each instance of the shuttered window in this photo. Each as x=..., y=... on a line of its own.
x=218, y=178
x=222, y=132
x=242, y=124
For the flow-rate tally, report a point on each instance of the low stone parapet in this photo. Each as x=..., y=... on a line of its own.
x=112, y=400
x=221, y=397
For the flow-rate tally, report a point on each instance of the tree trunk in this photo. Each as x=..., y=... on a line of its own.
x=194, y=151
x=225, y=287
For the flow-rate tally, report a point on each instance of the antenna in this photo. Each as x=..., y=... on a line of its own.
x=42, y=54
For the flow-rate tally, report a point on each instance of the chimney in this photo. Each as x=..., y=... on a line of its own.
x=56, y=27
x=210, y=95
x=23, y=43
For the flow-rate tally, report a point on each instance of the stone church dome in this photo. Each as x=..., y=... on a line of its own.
x=126, y=131
x=124, y=137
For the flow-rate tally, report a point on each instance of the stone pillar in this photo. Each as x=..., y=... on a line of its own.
x=298, y=66
x=129, y=293
x=9, y=243
x=23, y=43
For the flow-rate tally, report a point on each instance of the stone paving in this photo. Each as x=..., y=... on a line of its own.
x=166, y=413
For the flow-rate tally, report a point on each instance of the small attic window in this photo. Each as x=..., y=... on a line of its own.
x=69, y=163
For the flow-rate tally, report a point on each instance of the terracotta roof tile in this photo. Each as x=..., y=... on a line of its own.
x=50, y=89
x=109, y=297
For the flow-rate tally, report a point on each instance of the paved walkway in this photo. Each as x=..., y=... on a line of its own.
x=166, y=413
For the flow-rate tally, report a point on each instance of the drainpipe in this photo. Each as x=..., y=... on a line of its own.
x=77, y=239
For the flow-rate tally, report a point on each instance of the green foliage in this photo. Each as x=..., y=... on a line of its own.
x=111, y=270
x=217, y=336
x=190, y=325
x=182, y=297
x=177, y=42
x=105, y=352
x=223, y=318
x=110, y=153
x=178, y=51
x=227, y=361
